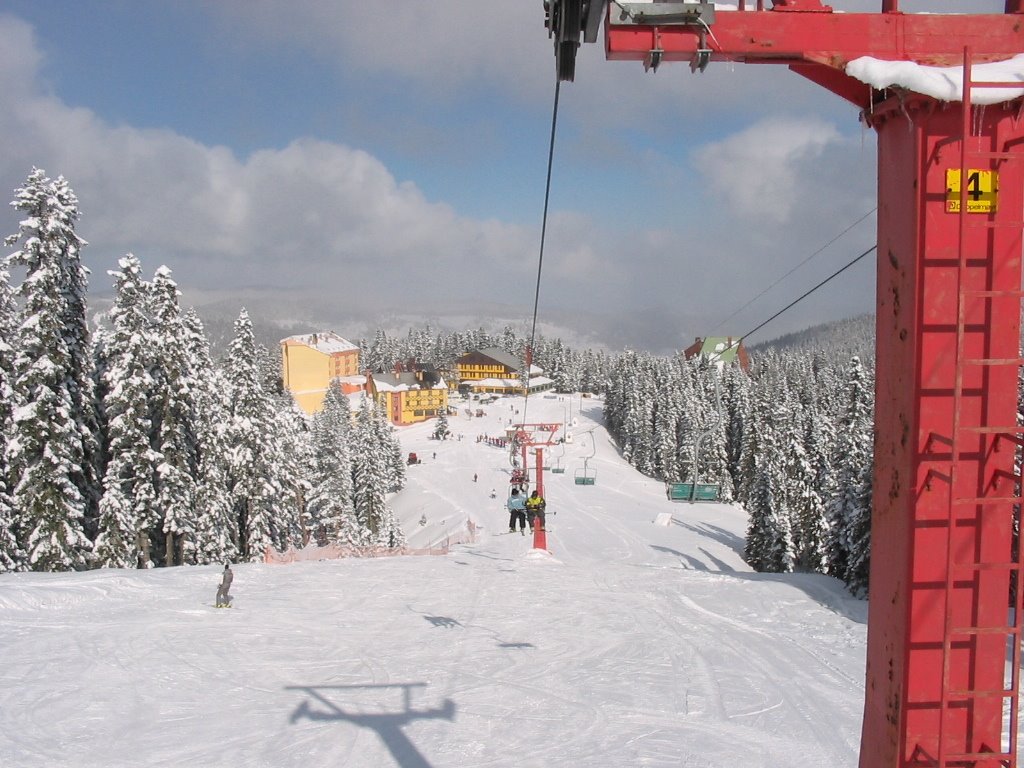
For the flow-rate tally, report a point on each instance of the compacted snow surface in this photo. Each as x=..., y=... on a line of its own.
x=627, y=643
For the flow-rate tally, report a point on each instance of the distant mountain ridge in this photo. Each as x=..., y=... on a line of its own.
x=838, y=340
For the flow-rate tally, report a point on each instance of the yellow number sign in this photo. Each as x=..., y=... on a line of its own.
x=982, y=190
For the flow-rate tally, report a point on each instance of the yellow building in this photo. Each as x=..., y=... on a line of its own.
x=490, y=363
x=310, y=361
x=408, y=398
x=496, y=371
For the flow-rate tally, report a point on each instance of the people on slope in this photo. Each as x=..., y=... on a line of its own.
x=223, y=598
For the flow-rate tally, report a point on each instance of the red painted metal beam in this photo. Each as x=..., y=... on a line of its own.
x=805, y=38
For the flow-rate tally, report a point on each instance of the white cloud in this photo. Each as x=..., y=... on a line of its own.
x=326, y=228
x=441, y=44
x=763, y=171
x=312, y=214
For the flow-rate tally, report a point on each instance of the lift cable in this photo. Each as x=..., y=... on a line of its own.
x=543, y=237
x=794, y=269
x=793, y=303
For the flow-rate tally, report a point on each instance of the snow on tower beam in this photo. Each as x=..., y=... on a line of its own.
x=816, y=42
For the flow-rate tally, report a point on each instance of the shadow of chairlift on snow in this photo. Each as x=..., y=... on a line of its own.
x=388, y=725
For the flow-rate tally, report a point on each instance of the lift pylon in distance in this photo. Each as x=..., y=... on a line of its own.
x=946, y=493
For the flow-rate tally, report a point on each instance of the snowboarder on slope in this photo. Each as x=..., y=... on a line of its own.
x=223, y=598
x=516, y=512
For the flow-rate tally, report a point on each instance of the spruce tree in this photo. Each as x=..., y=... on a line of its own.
x=373, y=476
x=128, y=512
x=769, y=540
x=441, y=429
x=330, y=504
x=804, y=476
x=12, y=556
x=849, y=509
x=262, y=506
x=292, y=430
x=216, y=527
x=174, y=423
x=54, y=448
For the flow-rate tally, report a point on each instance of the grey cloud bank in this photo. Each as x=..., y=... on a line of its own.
x=328, y=228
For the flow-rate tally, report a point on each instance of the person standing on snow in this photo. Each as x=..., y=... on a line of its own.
x=223, y=598
x=516, y=512
x=535, y=506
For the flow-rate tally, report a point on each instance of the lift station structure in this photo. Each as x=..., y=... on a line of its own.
x=943, y=655
x=525, y=436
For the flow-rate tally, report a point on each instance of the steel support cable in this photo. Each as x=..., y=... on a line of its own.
x=794, y=269
x=794, y=302
x=543, y=238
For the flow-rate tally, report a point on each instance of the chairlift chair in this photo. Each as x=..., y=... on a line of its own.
x=558, y=469
x=692, y=491
x=587, y=476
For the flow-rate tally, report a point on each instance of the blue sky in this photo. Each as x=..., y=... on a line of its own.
x=281, y=155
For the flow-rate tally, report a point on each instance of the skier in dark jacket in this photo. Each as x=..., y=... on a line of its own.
x=223, y=598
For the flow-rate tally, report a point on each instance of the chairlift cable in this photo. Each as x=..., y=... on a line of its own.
x=543, y=237
x=794, y=269
x=793, y=303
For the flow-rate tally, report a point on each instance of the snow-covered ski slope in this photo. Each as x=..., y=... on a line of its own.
x=630, y=644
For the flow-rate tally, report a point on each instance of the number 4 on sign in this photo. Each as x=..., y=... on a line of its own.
x=982, y=190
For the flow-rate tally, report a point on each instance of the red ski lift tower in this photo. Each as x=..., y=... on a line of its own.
x=943, y=657
x=525, y=436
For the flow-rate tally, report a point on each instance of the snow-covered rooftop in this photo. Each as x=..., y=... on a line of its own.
x=323, y=341
x=535, y=381
x=508, y=383
x=383, y=385
x=943, y=83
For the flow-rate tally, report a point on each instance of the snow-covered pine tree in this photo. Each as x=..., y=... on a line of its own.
x=216, y=527
x=261, y=503
x=750, y=444
x=805, y=472
x=849, y=509
x=54, y=447
x=668, y=418
x=294, y=435
x=174, y=423
x=332, y=518
x=510, y=341
x=390, y=450
x=441, y=429
x=713, y=424
x=372, y=478
x=382, y=353
x=12, y=556
x=769, y=546
x=735, y=393
x=128, y=513
x=420, y=344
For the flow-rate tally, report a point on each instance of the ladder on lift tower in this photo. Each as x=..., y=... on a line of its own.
x=971, y=632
